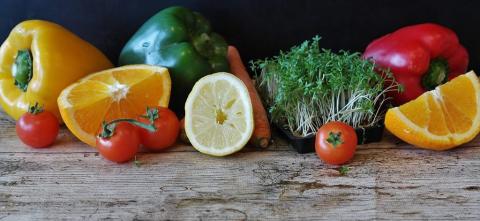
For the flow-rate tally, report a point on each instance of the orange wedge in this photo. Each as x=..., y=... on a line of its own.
x=123, y=92
x=440, y=119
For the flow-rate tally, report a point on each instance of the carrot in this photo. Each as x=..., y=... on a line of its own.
x=183, y=135
x=261, y=134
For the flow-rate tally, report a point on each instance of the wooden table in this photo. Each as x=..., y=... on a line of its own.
x=387, y=180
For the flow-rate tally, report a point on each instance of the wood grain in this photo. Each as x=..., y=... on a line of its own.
x=388, y=180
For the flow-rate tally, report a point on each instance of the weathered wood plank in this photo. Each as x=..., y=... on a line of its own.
x=389, y=180
x=383, y=184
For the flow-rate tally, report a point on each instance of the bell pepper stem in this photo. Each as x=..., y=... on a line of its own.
x=108, y=129
x=22, y=69
x=437, y=74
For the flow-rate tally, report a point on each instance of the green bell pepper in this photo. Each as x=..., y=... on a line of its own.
x=182, y=41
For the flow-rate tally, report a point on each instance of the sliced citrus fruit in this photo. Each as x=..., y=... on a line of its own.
x=219, y=115
x=442, y=118
x=122, y=92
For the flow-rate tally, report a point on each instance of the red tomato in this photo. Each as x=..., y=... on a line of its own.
x=37, y=129
x=335, y=143
x=167, y=129
x=122, y=146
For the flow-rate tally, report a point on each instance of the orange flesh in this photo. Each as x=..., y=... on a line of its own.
x=113, y=94
x=440, y=119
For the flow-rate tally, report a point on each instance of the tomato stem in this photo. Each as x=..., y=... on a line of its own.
x=108, y=129
x=35, y=109
x=335, y=138
x=152, y=114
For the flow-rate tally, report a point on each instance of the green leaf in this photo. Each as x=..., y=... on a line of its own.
x=136, y=162
x=343, y=170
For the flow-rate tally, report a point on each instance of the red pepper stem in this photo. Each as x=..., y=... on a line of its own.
x=109, y=128
x=437, y=74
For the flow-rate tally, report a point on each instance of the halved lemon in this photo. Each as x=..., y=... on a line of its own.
x=219, y=115
x=123, y=92
x=442, y=118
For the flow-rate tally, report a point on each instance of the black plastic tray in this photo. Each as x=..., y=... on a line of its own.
x=307, y=144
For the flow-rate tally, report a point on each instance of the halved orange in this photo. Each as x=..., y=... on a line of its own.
x=440, y=119
x=123, y=92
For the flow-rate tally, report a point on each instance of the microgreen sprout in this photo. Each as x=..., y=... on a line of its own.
x=307, y=87
x=343, y=170
x=136, y=162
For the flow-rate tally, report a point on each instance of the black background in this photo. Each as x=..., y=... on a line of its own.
x=258, y=28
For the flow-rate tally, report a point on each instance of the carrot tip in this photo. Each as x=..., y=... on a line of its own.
x=261, y=142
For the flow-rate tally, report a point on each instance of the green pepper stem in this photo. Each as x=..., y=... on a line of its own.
x=22, y=69
x=108, y=129
x=437, y=74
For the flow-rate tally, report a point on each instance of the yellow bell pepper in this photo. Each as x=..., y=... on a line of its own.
x=38, y=60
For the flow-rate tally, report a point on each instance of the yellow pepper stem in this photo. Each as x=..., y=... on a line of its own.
x=22, y=69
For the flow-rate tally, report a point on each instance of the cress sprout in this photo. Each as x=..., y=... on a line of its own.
x=308, y=86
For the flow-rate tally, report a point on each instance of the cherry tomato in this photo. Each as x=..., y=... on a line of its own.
x=37, y=128
x=335, y=143
x=167, y=128
x=123, y=144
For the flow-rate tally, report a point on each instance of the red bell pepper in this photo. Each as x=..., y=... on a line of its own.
x=420, y=58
